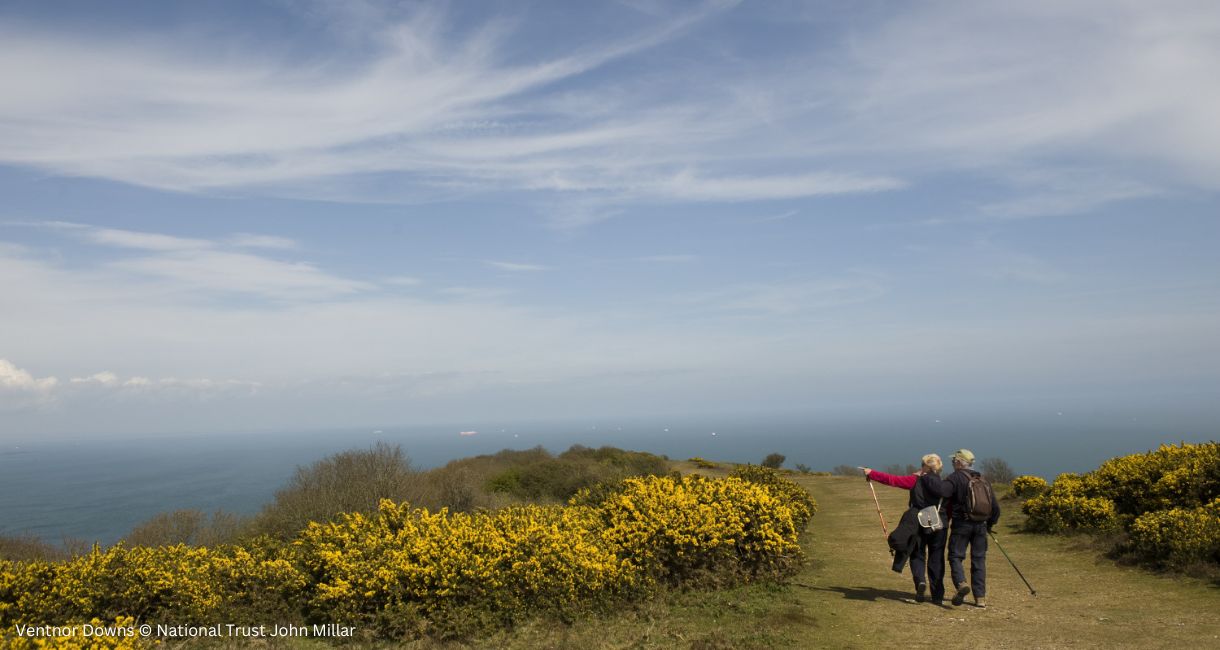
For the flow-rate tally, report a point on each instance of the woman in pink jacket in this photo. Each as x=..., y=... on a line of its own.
x=927, y=489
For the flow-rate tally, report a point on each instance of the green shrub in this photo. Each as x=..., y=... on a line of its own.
x=28, y=548
x=350, y=481
x=190, y=527
x=997, y=470
x=845, y=470
x=774, y=461
x=703, y=464
x=1029, y=486
x=542, y=477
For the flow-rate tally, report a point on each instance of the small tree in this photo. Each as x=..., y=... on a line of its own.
x=774, y=461
x=803, y=468
x=997, y=470
x=845, y=470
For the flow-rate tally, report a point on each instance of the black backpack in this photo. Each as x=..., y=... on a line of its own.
x=980, y=499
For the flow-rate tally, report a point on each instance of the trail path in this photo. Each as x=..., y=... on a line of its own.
x=1083, y=601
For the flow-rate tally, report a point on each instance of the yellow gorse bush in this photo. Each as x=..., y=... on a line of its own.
x=699, y=529
x=405, y=571
x=1179, y=536
x=1029, y=486
x=1166, y=500
x=410, y=570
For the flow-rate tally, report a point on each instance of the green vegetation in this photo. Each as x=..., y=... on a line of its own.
x=540, y=477
x=774, y=461
x=997, y=470
x=845, y=470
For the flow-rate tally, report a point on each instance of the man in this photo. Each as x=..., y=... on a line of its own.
x=973, y=518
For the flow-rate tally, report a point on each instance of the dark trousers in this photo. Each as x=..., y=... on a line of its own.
x=929, y=558
x=974, y=535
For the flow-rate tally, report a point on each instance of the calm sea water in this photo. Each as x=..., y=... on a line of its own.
x=56, y=488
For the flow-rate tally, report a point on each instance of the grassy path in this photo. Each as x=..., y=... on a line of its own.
x=1083, y=601
x=847, y=597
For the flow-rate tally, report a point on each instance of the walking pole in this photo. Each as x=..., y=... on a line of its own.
x=884, y=529
x=1014, y=565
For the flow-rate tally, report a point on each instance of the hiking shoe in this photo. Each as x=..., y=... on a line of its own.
x=921, y=591
x=939, y=602
x=963, y=590
x=980, y=602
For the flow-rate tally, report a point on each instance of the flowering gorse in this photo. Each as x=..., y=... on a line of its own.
x=1167, y=501
x=403, y=571
x=1029, y=486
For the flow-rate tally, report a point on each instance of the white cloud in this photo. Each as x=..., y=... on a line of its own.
x=1123, y=88
x=14, y=378
x=693, y=187
x=516, y=266
x=104, y=378
x=225, y=272
x=202, y=265
x=250, y=240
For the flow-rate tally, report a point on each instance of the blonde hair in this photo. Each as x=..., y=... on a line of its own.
x=933, y=462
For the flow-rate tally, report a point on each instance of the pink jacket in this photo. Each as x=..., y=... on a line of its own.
x=904, y=482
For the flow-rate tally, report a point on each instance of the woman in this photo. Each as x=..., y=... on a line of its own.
x=927, y=489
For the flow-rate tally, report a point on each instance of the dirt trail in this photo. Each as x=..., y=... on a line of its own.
x=1083, y=601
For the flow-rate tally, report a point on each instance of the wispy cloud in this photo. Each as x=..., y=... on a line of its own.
x=403, y=281
x=203, y=265
x=446, y=116
x=250, y=240
x=516, y=266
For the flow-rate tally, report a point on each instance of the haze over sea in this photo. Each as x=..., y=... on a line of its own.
x=98, y=489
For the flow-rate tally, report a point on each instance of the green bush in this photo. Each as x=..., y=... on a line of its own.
x=542, y=477
x=350, y=481
x=774, y=461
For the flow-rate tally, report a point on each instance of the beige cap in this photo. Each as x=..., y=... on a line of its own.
x=965, y=455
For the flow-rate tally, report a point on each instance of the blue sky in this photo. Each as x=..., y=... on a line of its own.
x=291, y=213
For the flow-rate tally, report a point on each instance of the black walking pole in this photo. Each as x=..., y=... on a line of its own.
x=1014, y=565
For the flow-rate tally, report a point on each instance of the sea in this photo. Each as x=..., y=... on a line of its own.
x=98, y=488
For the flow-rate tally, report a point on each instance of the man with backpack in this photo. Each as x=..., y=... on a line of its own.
x=975, y=512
